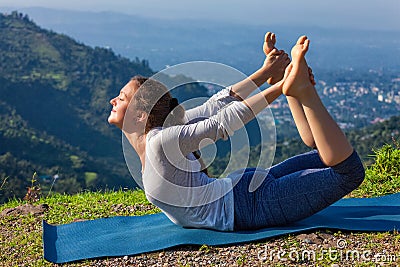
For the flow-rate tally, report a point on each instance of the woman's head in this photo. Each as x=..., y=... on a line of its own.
x=151, y=99
x=120, y=104
x=148, y=96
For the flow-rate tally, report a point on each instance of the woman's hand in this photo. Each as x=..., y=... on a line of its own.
x=275, y=73
x=275, y=64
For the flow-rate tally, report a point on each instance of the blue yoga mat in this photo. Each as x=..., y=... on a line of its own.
x=130, y=235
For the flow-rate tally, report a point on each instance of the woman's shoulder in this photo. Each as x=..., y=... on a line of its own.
x=158, y=135
x=152, y=134
x=154, y=141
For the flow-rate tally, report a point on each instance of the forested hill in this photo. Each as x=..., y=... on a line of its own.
x=54, y=104
x=54, y=96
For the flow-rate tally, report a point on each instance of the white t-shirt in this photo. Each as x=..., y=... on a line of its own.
x=172, y=178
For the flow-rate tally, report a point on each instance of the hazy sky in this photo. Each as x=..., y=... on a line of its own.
x=364, y=14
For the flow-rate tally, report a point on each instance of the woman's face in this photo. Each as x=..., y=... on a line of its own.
x=120, y=104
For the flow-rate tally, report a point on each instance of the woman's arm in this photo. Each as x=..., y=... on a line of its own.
x=272, y=71
x=261, y=100
x=183, y=139
x=210, y=107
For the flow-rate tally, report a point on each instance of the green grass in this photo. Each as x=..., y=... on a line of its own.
x=383, y=176
x=89, y=205
x=21, y=236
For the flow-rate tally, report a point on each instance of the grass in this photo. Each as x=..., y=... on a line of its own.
x=21, y=235
x=382, y=177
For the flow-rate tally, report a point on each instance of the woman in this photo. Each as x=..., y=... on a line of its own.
x=164, y=137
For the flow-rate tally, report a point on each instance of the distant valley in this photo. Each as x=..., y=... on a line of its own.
x=167, y=42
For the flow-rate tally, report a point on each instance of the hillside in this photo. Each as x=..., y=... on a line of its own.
x=54, y=104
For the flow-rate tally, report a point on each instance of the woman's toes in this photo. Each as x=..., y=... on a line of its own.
x=306, y=45
x=299, y=50
x=267, y=37
x=269, y=43
x=301, y=40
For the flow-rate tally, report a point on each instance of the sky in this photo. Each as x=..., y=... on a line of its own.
x=356, y=14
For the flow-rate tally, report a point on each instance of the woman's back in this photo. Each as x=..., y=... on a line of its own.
x=175, y=183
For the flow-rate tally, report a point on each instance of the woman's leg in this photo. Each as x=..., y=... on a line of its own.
x=301, y=121
x=295, y=196
x=299, y=117
x=299, y=195
x=307, y=160
x=330, y=141
x=304, y=161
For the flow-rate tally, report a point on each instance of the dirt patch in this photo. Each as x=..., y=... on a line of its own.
x=25, y=210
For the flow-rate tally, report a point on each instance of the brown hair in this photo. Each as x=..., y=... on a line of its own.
x=163, y=110
x=154, y=98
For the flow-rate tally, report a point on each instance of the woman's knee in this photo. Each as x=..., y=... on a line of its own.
x=358, y=176
x=351, y=170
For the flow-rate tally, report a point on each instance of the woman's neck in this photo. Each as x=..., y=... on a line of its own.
x=138, y=142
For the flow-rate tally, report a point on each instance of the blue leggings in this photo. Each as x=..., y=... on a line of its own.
x=293, y=190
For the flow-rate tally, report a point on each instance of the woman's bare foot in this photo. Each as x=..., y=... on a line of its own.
x=275, y=69
x=298, y=81
x=269, y=42
x=268, y=46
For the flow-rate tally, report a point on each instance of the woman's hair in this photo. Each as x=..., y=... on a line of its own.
x=154, y=98
x=163, y=110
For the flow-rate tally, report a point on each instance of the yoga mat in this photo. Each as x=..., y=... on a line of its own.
x=130, y=235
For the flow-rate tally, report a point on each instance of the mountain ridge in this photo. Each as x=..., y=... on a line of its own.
x=60, y=118
x=169, y=42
